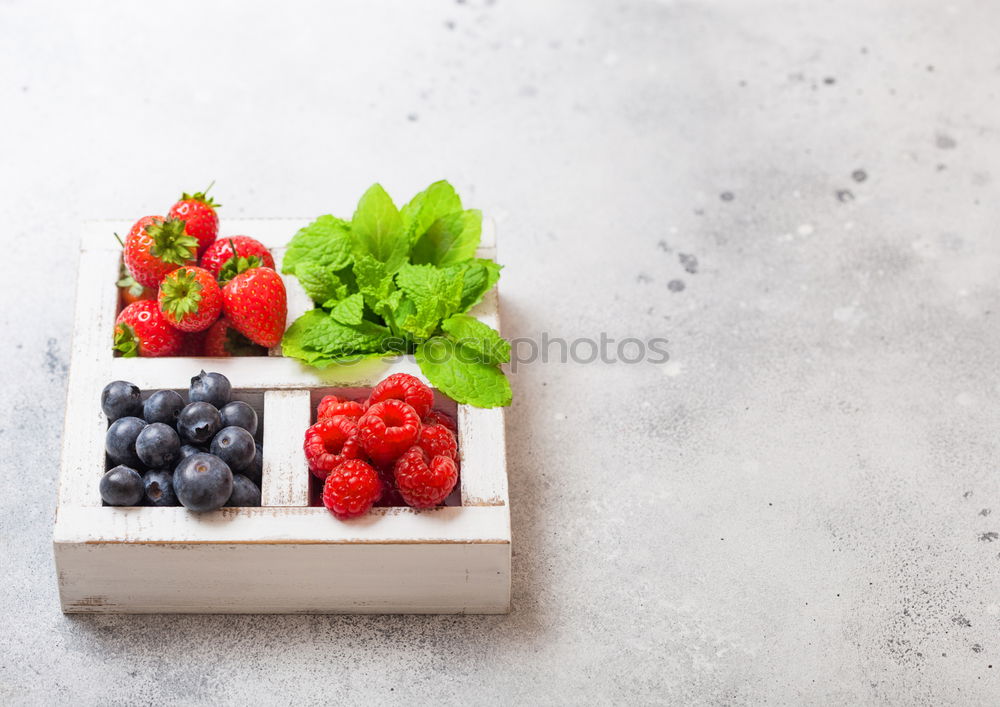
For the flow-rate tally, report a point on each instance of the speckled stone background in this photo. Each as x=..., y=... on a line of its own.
x=801, y=506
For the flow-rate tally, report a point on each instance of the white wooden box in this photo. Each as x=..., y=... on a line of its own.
x=285, y=557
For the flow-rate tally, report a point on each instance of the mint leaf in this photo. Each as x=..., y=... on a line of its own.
x=318, y=339
x=320, y=283
x=470, y=383
x=374, y=280
x=330, y=337
x=349, y=310
x=292, y=344
x=437, y=200
x=433, y=293
x=378, y=229
x=451, y=239
x=478, y=277
x=478, y=339
x=325, y=242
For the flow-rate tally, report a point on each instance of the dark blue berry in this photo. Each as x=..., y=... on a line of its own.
x=255, y=472
x=203, y=482
x=245, y=493
x=159, y=488
x=211, y=388
x=187, y=450
x=239, y=414
x=121, y=399
x=122, y=486
x=198, y=423
x=158, y=446
x=119, y=442
x=163, y=406
x=235, y=446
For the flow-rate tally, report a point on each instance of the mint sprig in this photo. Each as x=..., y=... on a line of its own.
x=393, y=281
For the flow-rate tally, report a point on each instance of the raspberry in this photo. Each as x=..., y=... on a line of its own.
x=436, y=417
x=331, y=442
x=351, y=489
x=331, y=405
x=387, y=430
x=390, y=494
x=424, y=485
x=437, y=440
x=403, y=386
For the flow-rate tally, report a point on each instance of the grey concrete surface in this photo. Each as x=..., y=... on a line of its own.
x=800, y=507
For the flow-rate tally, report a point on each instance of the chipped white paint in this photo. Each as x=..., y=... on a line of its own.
x=285, y=556
x=283, y=483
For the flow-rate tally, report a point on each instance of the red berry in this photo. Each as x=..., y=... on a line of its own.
x=351, y=489
x=331, y=405
x=222, y=339
x=220, y=252
x=387, y=429
x=197, y=211
x=156, y=246
x=331, y=442
x=436, y=417
x=141, y=330
x=423, y=484
x=190, y=298
x=437, y=440
x=193, y=344
x=403, y=386
x=254, y=301
x=131, y=290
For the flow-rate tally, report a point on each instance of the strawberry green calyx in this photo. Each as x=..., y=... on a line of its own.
x=180, y=294
x=126, y=341
x=202, y=196
x=171, y=243
x=236, y=265
x=127, y=281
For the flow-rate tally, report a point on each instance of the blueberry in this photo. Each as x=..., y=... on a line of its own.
x=255, y=472
x=239, y=414
x=187, y=450
x=198, y=422
x=122, y=486
x=235, y=446
x=119, y=442
x=121, y=399
x=159, y=488
x=203, y=482
x=163, y=406
x=211, y=388
x=158, y=446
x=245, y=493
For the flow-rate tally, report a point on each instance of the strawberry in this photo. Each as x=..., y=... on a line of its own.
x=190, y=298
x=156, y=246
x=198, y=212
x=193, y=344
x=254, y=301
x=221, y=252
x=131, y=290
x=222, y=339
x=141, y=330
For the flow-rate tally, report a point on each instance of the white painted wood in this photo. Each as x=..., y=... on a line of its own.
x=286, y=475
x=85, y=423
x=449, y=524
x=483, y=452
x=284, y=578
x=284, y=557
